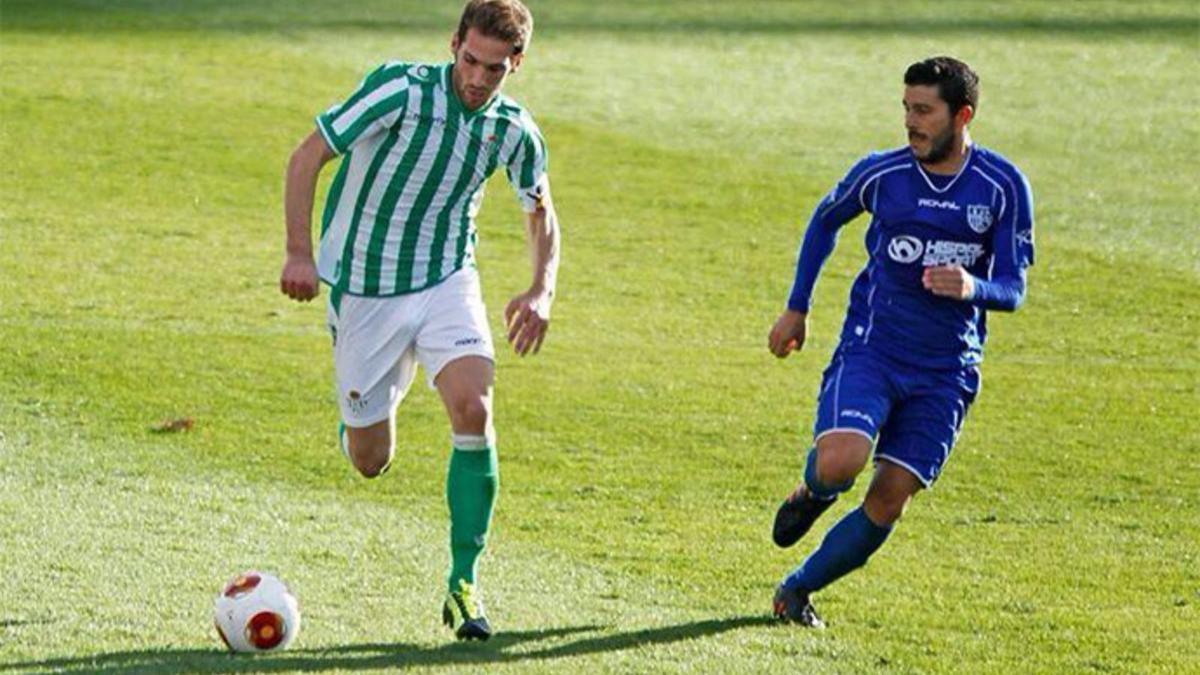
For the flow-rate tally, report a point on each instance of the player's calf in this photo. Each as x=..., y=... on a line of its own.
x=469, y=414
x=892, y=488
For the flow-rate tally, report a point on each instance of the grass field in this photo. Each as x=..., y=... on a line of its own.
x=643, y=452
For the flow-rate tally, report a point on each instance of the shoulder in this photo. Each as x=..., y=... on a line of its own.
x=516, y=115
x=891, y=155
x=878, y=163
x=424, y=73
x=882, y=159
x=391, y=76
x=407, y=73
x=394, y=70
x=998, y=167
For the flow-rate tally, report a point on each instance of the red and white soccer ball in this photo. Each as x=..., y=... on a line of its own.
x=256, y=613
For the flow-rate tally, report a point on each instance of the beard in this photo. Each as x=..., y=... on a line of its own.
x=939, y=146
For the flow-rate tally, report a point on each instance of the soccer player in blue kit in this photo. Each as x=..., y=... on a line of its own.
x=950, y=237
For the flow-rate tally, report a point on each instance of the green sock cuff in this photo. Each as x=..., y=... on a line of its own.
x=484, y=461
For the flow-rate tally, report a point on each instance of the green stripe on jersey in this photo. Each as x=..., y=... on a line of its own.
x=466, y=231
x=416, y=214
x=335, y=196
x=442, y=225
x=346, y=263
x=387, y=206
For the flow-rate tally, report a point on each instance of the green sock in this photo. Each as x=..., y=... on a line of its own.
x=471, y=486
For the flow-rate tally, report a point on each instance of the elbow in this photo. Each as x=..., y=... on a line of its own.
x=1015, y=298
x=299, y=162
x=295, y=164
x=1002, y=295
x=1018, y=298
x=309, y=156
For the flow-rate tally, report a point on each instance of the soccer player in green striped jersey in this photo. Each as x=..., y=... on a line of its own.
x=418, y=142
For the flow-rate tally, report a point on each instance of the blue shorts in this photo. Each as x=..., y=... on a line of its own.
x=912, y=414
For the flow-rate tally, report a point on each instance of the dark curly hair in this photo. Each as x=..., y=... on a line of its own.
x=957, y=84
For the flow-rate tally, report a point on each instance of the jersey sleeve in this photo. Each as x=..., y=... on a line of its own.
x=1012, y=240
x=840, y=206
x=527, y=167
x=1012, y=249
x=376, y=105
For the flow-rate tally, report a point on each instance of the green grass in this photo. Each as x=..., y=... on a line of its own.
x=644, y=450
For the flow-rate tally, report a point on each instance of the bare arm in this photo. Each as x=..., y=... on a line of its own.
x=299, y=277
x=528, y=314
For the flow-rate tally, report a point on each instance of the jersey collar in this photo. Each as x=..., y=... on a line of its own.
x=961, y=170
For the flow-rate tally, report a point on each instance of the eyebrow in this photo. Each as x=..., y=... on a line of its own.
x=479, y=60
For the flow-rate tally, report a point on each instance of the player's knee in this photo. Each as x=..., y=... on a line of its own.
x=886, y=501
x=836, y=470
x=370, y=457
x=840, y=458
x=470, y=415
x=372, y=467
x=885, y=508
x=891, y=491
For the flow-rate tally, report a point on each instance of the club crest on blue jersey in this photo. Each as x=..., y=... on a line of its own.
x=979, y=217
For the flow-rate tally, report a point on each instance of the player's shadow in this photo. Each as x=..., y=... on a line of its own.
x=508, y=647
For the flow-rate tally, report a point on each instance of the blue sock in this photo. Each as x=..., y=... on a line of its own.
x=845, y=548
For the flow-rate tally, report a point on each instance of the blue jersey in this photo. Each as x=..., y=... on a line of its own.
x=980, y=219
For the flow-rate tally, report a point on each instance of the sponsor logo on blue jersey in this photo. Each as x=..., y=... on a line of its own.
x=906, y=249
x=939, y=204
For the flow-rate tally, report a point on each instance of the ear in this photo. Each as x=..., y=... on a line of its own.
x=454, y=42
x=964, y=116
x=515, y=62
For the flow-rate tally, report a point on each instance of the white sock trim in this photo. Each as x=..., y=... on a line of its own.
x=470, y=442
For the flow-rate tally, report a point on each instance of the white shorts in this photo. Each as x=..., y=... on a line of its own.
x=377, y=342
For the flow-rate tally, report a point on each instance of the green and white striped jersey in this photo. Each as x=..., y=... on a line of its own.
x=400, y=214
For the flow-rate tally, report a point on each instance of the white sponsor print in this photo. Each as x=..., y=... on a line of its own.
x=905, y=249
x=938, y=253
x=979, y=217
x=939, y=204
x=1025, y=237
x=858, y=414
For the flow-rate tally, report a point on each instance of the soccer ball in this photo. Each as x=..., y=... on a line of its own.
x=256, y=613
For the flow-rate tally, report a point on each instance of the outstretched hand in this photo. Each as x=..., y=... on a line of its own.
x=788, y=333
x=527, y=317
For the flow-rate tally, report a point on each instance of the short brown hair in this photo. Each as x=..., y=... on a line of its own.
x=507, y=20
